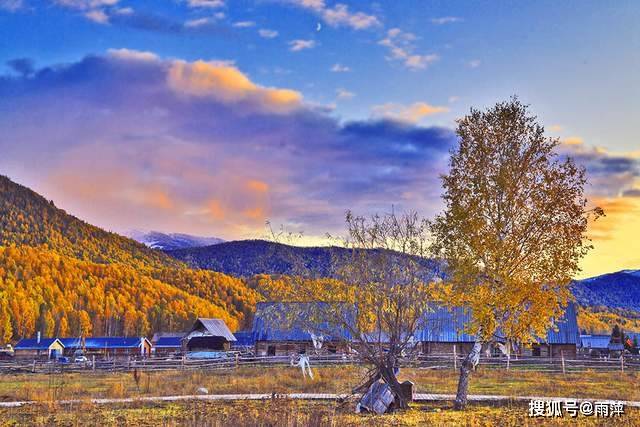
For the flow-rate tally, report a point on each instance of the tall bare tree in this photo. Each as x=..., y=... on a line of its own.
x=513, y=229
x=378, y=295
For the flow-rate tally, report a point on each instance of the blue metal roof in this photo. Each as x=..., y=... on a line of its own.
x=98, y=343
x=443, y=324
x=616, y=346
x=169, y=342
x=567, y=328
x=244, y=338
x=450, y=324
x=34, y=344
x=71, y=342
x=595, y=341
x=289, y=321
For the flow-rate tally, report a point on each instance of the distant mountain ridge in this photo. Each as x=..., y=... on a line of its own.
x=171, y=241
x=619, y=290
x=246, y=258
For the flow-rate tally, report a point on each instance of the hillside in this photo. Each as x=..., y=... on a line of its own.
x=609, y=299
x=27, y=218
x=246, y=258
x=60, y=275
x=620, y=290
x=43, y=291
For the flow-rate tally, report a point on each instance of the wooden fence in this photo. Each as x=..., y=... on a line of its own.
x=237, y=360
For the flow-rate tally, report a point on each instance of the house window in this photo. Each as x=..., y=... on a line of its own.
x=271, y=350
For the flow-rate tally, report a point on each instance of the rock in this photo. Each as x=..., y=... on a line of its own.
x=202, y=390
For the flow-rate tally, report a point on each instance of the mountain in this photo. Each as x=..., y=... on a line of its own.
x=27, y=218
x=245, y=258
x=609, y=299
x=171, y=241
x=620, y=290
x=60, y=275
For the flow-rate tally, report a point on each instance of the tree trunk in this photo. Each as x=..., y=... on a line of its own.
x=389, y=376
x=467, y=366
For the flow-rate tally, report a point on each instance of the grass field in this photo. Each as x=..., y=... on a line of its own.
x=284, y=412
x=610, y=385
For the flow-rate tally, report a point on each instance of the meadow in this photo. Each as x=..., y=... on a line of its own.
x=45, y=389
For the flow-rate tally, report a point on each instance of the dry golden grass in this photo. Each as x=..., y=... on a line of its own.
x=284, y=412
x=611, y=385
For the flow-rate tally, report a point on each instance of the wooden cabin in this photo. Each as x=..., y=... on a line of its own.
x=208, y=335
x=283, y=328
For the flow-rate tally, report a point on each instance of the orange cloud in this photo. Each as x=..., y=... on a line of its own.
x=226, y=83
x=257, y=186
x=215, y=210
x=257, y=214
x=407, y=113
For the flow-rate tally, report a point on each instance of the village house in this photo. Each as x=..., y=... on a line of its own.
x=284, y=328
x=72, y=346
x=39, y=348
x=208, y=335
x=117, y=346
x=244, y=341
x=595, y=345
x=445, y=331
x=167, y=343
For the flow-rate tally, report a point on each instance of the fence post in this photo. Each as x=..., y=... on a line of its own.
x=455, y=358
x=237, y=359
x=93, y=362
x=562, y=357
x=182, y=362
x=622, y=363
x=34, y=366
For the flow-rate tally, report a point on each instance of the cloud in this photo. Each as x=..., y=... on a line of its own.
x=98, y=16
x=228, y=84
x=609, y=174
x=338, y=68
x=11, y=5
x=407, y=113
x=298, y=45
x=211, y=4
x=344, y=94
x=22, y=66
x=338, y=15
x=267, y=34
x=474, y=63
x=195, y=23
x=244, y=24
x=401, y=46
x=634, y=192
x=132, y=140
x=446, y=20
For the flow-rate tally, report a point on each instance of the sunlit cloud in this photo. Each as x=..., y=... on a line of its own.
x=407, y=113
x=211, y=4
x=199, y=147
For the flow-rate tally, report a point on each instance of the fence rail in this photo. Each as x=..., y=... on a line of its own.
x=237, y=360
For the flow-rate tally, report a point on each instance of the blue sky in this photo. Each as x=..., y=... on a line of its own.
x=327, y=105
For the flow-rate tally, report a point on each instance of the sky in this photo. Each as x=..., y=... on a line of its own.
x=211, y=117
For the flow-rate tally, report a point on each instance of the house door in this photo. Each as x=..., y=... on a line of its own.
x=536, y=351
x=271, y=350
